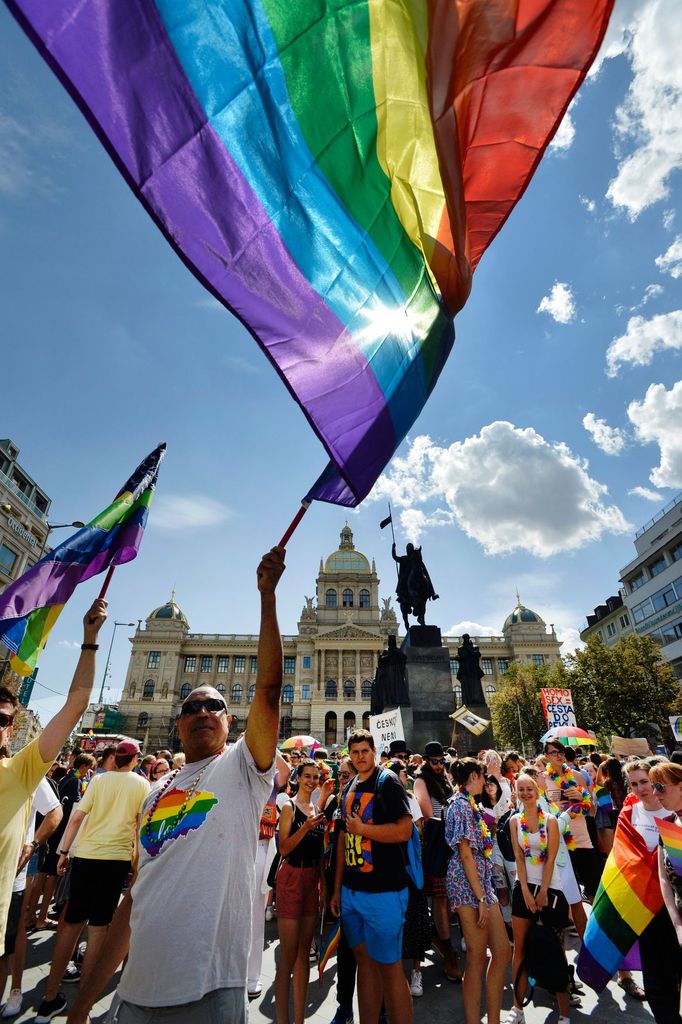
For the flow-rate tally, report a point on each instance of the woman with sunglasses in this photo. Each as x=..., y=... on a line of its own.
x=433, y=790
x=566, y=788
x=301, y=846
x=471, y=892
x=159, y=768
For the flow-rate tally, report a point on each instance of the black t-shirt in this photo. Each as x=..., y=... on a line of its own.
x=309, y=850
x=372, y=866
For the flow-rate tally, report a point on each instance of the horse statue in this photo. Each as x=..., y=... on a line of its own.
x=414, y=586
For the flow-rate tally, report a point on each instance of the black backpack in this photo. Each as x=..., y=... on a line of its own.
x=503, y=836
x=544, y=961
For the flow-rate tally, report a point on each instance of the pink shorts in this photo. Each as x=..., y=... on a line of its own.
x=297, y=892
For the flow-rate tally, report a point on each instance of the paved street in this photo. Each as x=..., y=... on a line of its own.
x=440, y=1004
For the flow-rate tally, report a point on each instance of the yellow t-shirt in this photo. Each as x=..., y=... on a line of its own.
x=112, y=803
x=19, y=777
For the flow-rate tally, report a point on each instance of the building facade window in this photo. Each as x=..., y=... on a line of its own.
x=637, y=581
x=366, y=689
x=306, y=691
x=330, y=728
x=365, y=599
x=487, y=666
x=330, y=689
x=624, y=621
x=289, y=666
x=223, y=663
x=239, y=665
x=348, y=724
x=307, y=661
x=252, y=692
x=190, y=663
x=489, y=692
x=676, y=553
x=254, y=663
x=348, y=689
x=185, y=691
x=454, y=666
x=237, y=693
x=222, y=689
x=142, y=720
x=285, y=727
x=148, y=690
x=657, y=602
x=288, y=694
x=458, y=694
x=658, y=566
x=610, y=629
x=330, y=599
x=538, y=659
x=502, y=665
x=206, y=663
x=347, y=598
x=365, y=719
x=154, y=659
x=8, y=559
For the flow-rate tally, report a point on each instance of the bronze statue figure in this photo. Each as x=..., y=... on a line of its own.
x=389, y=689
x=414, y=587
x=470, y=672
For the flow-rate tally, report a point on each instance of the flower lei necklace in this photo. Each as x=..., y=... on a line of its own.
x=565, y=779
x=525, y=833
x=173, y=822
x=478, y=817
x=563, y=823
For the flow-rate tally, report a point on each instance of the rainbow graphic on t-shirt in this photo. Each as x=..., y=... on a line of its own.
x=163, y=827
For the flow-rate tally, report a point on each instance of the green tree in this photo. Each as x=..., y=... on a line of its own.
x=517, y=707
x=620, y=690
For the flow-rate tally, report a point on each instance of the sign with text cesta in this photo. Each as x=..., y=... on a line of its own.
x=558, y=705
x=385, y=728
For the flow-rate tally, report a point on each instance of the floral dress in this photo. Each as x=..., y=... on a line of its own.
x=462, y=823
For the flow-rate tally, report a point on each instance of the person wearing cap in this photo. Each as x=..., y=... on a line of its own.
x=107, y=850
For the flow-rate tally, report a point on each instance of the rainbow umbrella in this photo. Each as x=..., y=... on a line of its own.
x=297, y=742
x=571, y=736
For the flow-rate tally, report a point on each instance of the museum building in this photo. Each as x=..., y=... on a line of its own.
x=329, y=664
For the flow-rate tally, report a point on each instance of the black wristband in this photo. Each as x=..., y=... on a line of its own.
x=89, y=647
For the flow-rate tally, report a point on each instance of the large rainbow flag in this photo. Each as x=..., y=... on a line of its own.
x=30, y=606
x=331, y=170
x=627, y=899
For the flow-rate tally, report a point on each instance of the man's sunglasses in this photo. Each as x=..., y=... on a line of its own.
x=345, y=775
x=5, y=720
x=212, y=704
x=437, y=760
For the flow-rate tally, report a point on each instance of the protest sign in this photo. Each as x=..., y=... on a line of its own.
x=385, y=728
x=558, y=707
x=637, y=746
x=676, y=726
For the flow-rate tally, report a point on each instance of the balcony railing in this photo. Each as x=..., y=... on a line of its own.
x=30, y=505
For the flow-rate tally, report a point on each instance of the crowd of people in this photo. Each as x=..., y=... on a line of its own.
x=483, y=862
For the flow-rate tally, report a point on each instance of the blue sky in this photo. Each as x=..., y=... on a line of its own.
x=561, y=398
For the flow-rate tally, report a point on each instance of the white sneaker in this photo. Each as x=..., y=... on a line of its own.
x=515, y=1016
x=12, y=1007
x=416, y=987
x=269, y=913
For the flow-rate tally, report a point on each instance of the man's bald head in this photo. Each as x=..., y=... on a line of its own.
x=203, y=732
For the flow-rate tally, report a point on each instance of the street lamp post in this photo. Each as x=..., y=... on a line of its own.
x=106, y=667
x=58, y=526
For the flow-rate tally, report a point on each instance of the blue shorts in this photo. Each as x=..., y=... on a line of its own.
x=34, y=864
x=376, y=920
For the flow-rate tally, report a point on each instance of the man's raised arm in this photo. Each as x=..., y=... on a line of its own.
x=58, y=729
x=262, y=726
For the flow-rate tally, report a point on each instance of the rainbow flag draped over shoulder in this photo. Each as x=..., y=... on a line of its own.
x=331, y=170
x=671, y=837
x=627, y=899
x=32, y=604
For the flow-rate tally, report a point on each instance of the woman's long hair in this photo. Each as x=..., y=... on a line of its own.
x=438, y=787
x=614, y=783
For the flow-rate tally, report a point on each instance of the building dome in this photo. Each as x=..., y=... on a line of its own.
x=522, y=614
x=171, y=612
x=346, y=559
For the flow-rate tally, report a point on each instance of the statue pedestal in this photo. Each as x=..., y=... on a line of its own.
x=464, y=742
x=429, y=685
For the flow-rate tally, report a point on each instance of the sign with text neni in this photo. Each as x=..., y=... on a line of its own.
x=385, y=728
x=558, y=706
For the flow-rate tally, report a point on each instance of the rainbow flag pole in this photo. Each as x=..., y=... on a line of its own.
x=30, y=606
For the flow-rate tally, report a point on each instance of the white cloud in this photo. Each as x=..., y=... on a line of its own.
x=472, y=628
x=414, y=522
x=560, y=303
x=71, y=644
x=651, y=116
x=658, y=418
x=668, y=219
x=611, y=440
x=570, y=641
x=188, y=512
x=589, y=204
x=671, y=261
x=565, y=135
x=652, y=291
x=508, y=489
x=643, y=338
x=645, y=492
